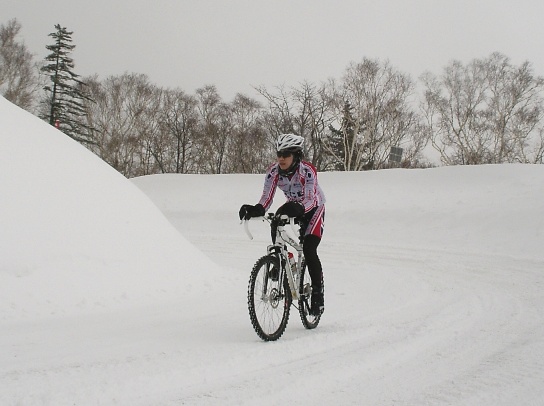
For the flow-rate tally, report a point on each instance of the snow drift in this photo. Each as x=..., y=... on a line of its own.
x=74, y=234
x=433, y=285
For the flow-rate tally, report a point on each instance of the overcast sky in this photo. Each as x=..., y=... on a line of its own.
x=237, y=44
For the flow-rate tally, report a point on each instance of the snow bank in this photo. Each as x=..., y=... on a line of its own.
x=74, y=233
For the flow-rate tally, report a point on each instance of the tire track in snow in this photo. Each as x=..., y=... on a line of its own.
x=427, y=312
x=444, y=324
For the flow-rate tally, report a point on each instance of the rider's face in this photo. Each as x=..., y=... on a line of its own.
x=285, y=161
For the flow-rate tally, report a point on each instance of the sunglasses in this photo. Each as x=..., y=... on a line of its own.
x=284, y=154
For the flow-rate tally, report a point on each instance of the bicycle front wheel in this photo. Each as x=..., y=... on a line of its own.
x=268, y=299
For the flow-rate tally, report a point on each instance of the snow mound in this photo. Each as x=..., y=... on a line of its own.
x=74, y=233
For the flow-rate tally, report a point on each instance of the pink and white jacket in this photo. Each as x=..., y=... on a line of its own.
x=301, y=187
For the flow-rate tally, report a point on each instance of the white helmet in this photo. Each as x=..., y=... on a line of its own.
x=289, y=142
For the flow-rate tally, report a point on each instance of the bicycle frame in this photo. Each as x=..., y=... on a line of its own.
x=279, y=248
x=276, y=282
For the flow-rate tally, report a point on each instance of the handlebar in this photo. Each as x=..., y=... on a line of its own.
x=281, y=220
x=246, y=228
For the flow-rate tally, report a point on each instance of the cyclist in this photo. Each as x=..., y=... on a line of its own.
x=305, y=200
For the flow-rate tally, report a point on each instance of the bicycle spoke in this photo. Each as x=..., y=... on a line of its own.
x=304, y=303
x=268, y=301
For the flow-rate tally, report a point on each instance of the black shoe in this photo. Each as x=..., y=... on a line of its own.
x=318, y=305
x=274, y=274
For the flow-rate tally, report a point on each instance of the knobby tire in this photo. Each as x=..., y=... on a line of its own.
x=305, y=300
x=268, y=305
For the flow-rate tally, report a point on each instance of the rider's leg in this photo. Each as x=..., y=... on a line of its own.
x=312, y=260
x=312, y=232
x=314, y=269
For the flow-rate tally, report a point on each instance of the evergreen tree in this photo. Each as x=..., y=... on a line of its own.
x=345, y=144
x=65, y=102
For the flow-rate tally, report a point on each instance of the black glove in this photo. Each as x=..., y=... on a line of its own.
x=291, y=209
x=247, y=211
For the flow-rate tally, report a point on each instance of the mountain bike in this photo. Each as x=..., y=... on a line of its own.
x=277, y=281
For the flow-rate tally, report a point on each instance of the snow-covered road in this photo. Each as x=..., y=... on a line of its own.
x=433, y=286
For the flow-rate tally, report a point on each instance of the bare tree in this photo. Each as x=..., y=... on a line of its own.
x=312, y=119
x=247, y=148
x=486, y=112
x=125, y=118
x=373, y=112
x=215, y=129
x=19, y=80
x=175, y=147
x=305, y=111
x=148, y=128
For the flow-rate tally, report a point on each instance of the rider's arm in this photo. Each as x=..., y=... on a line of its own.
x=269, y=188
x=309, y=198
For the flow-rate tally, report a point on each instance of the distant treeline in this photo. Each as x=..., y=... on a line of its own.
x=487, y=111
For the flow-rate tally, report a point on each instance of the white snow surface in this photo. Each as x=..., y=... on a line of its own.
x=134, y=292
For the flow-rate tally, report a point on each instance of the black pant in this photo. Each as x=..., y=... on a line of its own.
x=309, y=247
x=313, y=263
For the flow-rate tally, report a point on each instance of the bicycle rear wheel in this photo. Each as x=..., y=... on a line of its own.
x=305, y=301
x=268, y=299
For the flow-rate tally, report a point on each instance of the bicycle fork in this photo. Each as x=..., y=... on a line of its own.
x=281, y=254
